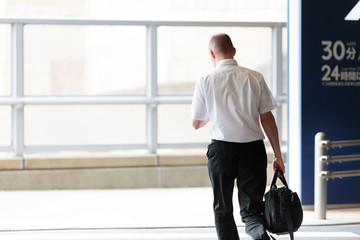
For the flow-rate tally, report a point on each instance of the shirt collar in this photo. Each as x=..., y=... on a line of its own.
x=228, y=61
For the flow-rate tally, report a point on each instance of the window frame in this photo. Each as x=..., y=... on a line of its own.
x=151, y=100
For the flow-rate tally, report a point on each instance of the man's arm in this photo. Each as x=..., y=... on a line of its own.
x=268, y=123
x=200, y=123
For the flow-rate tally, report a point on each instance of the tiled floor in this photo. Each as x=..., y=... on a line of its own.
x=133, y=208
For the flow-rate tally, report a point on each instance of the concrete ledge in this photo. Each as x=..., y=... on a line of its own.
x=90, y=162
x=182, y=160
x=15, y=163
x=105, y=178
x=192, y=159
x=186, y=176
x=47, y=172
x=106, y=161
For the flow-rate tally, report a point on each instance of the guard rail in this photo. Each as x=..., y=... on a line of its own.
x=322, y=159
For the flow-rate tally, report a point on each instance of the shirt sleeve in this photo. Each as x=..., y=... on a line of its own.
x=198, y=106
x=267, y=100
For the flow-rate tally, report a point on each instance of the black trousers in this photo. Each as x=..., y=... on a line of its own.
x=245, y=162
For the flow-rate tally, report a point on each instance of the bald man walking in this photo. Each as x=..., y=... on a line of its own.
x=236, y=100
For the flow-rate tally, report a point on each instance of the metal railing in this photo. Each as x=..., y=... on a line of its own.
x=322, y=144
x=17, y=100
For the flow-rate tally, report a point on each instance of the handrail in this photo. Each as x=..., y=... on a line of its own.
x=348, y=143
x=322, y=144
x=91, y=100
x=339, y=159
x=140, y=22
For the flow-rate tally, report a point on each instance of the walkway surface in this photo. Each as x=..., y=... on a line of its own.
x=337, y=232
x=126, y=209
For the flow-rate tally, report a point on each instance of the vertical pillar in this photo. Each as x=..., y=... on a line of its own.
x=17, y=87
x=320, y=189
x=294, y=163
x=277, y=73
x=151, y=87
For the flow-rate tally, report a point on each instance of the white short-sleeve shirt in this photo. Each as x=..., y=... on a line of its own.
x=233, y=97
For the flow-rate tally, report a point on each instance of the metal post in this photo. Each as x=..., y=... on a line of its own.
x=17, y=87
x=151, y=87
x=277, y=73
x=320, y=191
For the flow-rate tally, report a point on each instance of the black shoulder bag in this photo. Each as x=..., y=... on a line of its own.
x=283, y=212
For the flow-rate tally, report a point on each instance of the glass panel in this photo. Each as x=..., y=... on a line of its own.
x=5, y=59
x=200, y=10
x=284, y=122
x=100, y=124
x=284, y=56
x=183, y=55
x=84, y=60
x=175, y=125
x=5, y=126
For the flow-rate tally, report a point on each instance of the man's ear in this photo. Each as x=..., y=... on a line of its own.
x=212, y=54
x=234, y=51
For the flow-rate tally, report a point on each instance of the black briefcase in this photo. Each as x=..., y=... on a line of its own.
x=283, y=212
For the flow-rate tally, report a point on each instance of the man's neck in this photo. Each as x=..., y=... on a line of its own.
x=220, y=59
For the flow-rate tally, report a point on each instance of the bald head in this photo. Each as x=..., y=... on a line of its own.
x=221, y=45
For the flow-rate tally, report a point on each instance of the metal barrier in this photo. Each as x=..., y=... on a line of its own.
x=18, y=100
x=322, y=144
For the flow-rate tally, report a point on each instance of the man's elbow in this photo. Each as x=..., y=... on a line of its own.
x=267, y=117
x=196, y=124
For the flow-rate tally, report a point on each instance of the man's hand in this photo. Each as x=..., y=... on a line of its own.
x=278, y=163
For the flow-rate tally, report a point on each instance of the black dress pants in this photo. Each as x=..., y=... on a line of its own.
x=245, y=162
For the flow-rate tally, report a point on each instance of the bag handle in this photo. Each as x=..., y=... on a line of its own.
x=281, y=177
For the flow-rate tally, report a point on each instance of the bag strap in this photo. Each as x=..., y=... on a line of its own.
x=281, y=177
x=272, y=237
x=288, y=213
x=290, y=224
x=289, y=219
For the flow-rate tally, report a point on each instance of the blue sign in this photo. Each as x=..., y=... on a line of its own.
x=330, y=90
